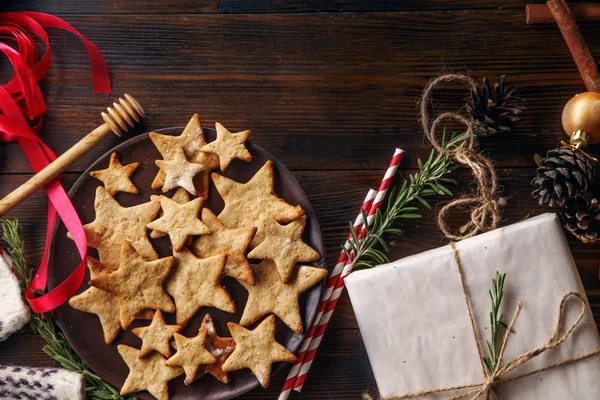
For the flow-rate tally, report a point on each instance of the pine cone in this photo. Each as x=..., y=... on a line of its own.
x=494, y=112
x=582, y=218
x=562, y=175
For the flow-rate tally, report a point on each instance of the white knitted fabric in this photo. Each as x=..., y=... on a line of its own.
x=40, y=383
x=14, y=314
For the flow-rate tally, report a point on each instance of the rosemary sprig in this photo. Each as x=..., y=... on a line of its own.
x=57, y=345
x=495, y=321
x=428, y=181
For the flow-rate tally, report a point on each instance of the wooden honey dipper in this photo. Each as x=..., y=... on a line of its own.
x=118, y=119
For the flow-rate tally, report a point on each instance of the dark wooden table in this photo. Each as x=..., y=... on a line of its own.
x=327, y=86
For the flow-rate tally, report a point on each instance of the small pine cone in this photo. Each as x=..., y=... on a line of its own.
x=562, y=175
x=494, y=111
x=582, y=218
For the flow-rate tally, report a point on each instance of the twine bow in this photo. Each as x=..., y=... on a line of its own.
x=485, y=203
x=499, y=375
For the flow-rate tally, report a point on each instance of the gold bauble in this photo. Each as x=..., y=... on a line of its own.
x=581, y=117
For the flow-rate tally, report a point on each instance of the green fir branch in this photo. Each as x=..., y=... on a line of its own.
x=428, y=181
x=56, y=345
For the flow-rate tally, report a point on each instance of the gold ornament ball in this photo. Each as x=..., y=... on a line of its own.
x=582, y=113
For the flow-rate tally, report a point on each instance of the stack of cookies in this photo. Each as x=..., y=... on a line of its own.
x=129, y=281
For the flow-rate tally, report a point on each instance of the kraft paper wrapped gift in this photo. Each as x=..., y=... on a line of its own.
x=415, y=324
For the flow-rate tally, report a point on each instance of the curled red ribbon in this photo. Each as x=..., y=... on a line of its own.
x=21, y=100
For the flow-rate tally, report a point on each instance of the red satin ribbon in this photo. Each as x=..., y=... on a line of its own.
x=21, y=100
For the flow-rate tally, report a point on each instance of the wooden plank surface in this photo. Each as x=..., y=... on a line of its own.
x=339, y=84
x=327, y=86
x=252, y=6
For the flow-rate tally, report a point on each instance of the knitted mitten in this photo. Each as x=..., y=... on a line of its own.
x=14, y=314
x=40, y=383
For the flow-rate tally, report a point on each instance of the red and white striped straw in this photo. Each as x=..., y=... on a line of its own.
x=315, y=341
x=299, y=370
x=335, y=273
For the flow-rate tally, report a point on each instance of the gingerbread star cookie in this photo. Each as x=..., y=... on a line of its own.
x=228, y=146
x=116, y=177
x=257, y=349
x=270, y=295
x=191, y=355
x=179, y=172
x=180, y=196
x=191, y=140
x=180, y=221
x=244, y=202
x=99, y=302
x=114, y=224
x=156, y=336
x=283, y=244
x=137, y=284
x=196, y=282
x=220, y=347
x=149, y=373
x=233, y=242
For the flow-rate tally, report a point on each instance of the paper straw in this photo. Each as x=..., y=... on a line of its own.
x=321, y=324
x=337, y=269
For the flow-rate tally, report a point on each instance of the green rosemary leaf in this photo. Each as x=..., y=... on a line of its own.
x=449, y=180
x=353, y=233
x=363, y=263
x=393, y=231
x=444, y=189
x=422, y=201
x=410, y=216
x=347, y=252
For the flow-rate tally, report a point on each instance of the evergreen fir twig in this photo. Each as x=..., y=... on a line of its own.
x=56, y=345
x=429, y=180
x=493, y=346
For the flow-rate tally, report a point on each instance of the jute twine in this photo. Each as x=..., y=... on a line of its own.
x=499, y=376
x=484, y=202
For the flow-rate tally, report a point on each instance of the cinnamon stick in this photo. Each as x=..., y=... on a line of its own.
x=540, y=13
x=579, y=50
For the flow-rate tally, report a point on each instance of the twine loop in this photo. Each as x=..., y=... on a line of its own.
x=484, y=203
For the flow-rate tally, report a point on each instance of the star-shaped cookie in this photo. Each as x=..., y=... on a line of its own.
x=196, y=282
x=257, y=349
x=220, y=347
x=179, y=172
x=148, y=373
x=156, y=336
x=137, y=284
x=270, y=295
x=180, y=196
x=233, y=242
x=283, y=244
x=228, y=146
x=99, y=302
x=191, y=139
x=191, y=355
x=180, y=221
x=116, y=177
x=244, y=202
x=114, y=224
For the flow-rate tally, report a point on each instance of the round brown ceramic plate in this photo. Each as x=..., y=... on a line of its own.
x=84, y=331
